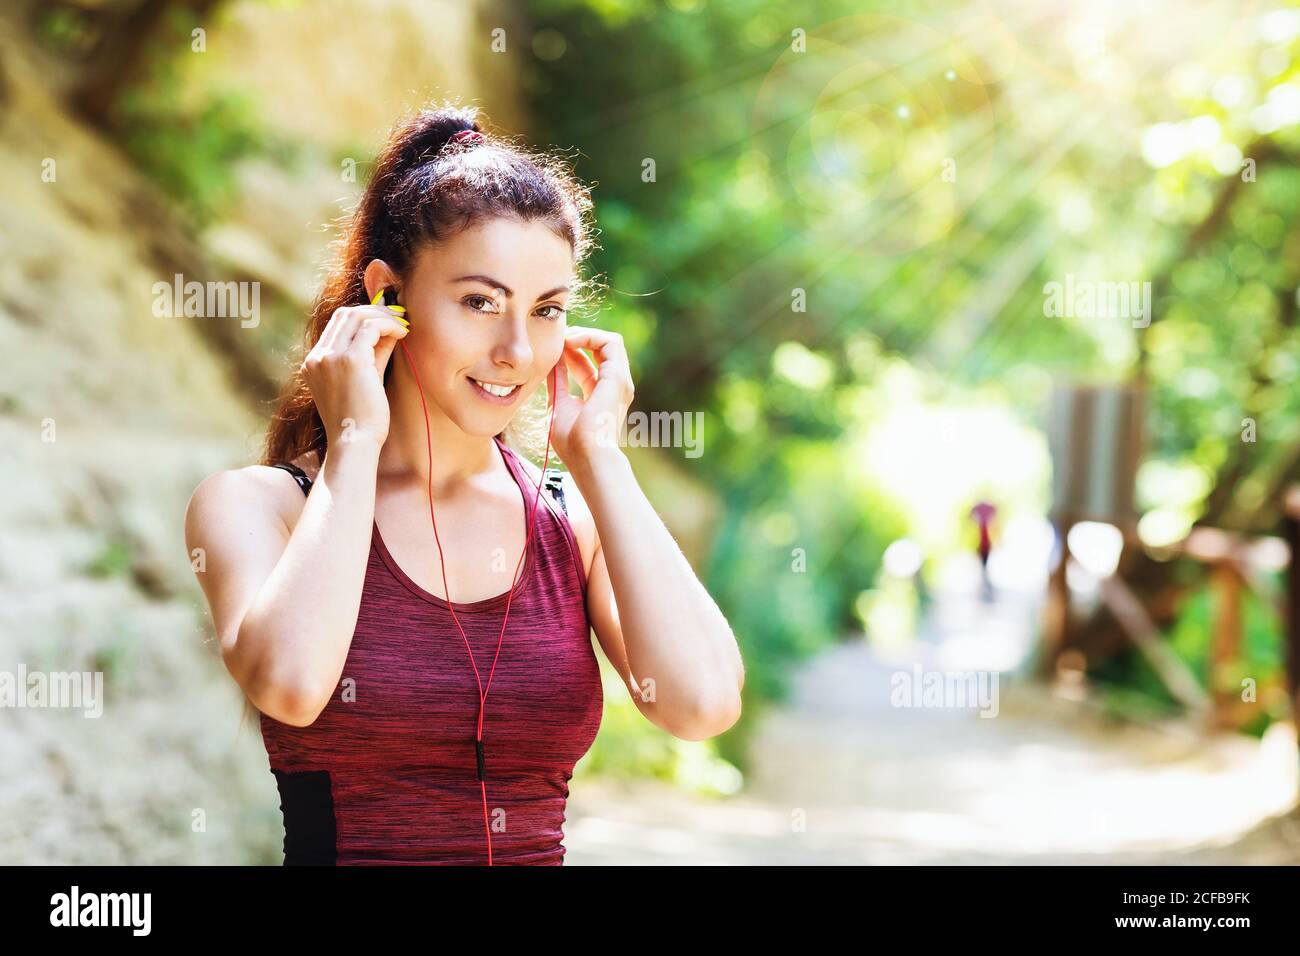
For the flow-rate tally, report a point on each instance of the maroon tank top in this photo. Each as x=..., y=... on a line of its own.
x=387, y=774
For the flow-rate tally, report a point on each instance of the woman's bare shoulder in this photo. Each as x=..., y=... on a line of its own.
x=252, y=492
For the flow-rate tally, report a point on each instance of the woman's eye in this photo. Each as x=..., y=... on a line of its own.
x=482, y=304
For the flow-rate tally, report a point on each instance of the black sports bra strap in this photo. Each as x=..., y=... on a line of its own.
x=299, y=475
x=555, y=485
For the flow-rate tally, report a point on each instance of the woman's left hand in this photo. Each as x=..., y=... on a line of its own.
x=586, y=426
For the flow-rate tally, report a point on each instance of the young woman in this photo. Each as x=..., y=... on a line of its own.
x=392, y=589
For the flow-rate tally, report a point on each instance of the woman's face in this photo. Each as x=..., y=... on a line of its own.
x=487, y=307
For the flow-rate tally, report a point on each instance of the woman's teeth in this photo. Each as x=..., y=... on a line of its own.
x=501, y=391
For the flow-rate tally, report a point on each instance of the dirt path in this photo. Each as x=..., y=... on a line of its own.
x=843, y=777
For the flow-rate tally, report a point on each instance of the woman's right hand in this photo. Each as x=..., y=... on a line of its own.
x=345, y=371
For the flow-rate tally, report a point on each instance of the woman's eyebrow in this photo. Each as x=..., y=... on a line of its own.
x=488, y=280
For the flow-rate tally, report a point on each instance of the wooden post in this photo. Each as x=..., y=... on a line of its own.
x=1095, y=435
x=1234, y=562
x=1056, y=624
x=1291, y=522
x=1226, y=585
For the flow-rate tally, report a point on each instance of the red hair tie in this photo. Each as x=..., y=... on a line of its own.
x=472, y=135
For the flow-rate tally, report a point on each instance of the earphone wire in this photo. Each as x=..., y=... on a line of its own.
x=483, y=692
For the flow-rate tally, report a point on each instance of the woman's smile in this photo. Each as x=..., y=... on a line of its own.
x=497, y=394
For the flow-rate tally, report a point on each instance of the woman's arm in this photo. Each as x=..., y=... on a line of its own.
x=656, y=622
x=284, y=604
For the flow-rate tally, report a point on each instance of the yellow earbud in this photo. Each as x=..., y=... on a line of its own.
x=397, y=310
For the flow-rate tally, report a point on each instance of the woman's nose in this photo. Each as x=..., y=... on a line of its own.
x=515, y=349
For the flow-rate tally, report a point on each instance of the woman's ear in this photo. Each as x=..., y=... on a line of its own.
x=379, y=275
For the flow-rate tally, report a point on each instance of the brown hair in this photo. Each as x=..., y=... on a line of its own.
x=424, y=188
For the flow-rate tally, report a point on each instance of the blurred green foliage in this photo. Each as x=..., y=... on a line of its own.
x=1130, y=686
x=65, y=30
x=192, y=152
x=192, y=145
x=114, y=559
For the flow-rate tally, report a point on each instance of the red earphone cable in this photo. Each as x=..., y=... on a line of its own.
x=483, y=692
